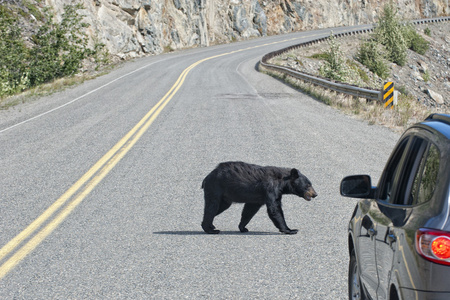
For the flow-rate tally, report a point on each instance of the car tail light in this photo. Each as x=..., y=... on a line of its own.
x=434, y=245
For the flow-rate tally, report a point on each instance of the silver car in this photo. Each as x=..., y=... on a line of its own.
x=399, y=233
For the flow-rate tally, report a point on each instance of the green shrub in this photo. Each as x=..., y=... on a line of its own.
x=427, y=31
x=33, y=10
x=419, y=44
x=370, y=55
x=414, y=40
x=13, y=56
x=388, y=32
x=58, y=50
x=334, y=66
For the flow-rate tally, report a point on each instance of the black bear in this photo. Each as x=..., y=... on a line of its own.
x=255, y=186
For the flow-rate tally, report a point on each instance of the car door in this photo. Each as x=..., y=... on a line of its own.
x=374, y=222
x=396, y=208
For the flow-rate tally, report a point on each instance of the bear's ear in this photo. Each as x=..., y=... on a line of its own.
x=295, y=173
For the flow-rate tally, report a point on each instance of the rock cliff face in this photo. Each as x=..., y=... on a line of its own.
x=131, y=28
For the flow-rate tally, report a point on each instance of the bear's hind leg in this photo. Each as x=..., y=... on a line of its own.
x=209, y=216
x=224, y=205
x=211, y=210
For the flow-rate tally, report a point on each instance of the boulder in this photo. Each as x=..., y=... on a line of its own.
x=436, y=97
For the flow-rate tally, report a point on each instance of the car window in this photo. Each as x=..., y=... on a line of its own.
x=391, y=172
x=426, y=177
x=411, y=167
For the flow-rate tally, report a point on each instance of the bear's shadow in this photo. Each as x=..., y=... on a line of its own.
x=221, y=233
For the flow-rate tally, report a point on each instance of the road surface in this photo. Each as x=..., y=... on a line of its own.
x=100, y=183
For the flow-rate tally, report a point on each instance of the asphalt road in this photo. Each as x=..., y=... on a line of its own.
x=100, y=193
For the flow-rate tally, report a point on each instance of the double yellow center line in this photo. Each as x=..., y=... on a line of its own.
x=84, y=185
x=24, y=243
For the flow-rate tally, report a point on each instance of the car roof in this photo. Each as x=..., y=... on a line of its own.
x=439, y=123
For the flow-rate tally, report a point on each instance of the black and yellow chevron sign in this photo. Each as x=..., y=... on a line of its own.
x=388, y=94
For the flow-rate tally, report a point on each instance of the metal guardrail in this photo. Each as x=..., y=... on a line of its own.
x=340, y=87
x=327, y=83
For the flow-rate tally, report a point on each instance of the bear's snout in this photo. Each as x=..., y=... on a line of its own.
x=309, y=194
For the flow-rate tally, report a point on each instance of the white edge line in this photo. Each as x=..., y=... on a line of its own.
x=74, y=100
x=88, y=93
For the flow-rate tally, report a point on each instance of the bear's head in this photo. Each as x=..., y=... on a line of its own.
x=301, y=186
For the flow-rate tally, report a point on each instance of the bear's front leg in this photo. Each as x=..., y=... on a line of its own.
x=276, y=215
x=250, y=209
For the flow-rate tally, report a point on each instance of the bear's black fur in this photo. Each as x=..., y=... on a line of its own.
x=255, y=186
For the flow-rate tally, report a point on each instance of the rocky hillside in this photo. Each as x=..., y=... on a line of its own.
x=131, y=28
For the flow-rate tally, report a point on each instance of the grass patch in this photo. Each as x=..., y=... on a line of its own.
x=426, y=76
x=320, y=56
x=402, y=89
x=362, y=73
x=56, y=85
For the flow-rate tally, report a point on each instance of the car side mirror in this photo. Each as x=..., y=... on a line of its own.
x=357, y=186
